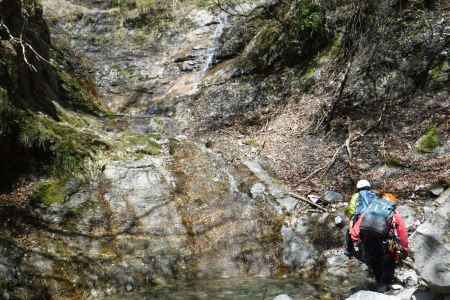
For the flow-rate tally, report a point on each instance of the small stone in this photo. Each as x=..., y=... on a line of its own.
x=338, y=220
x=333, y=197
x=187, y=66
x=437, y=190
x=282, y=297
x=95, y=293
x=419, y=187
x=129, y=287
x=314, y=198
x=109, y=291
x=396, y=287
x=258, y=190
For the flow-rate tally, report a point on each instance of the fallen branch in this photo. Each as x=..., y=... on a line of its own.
x=306, y=200
x=347, y=145
x=312, y=174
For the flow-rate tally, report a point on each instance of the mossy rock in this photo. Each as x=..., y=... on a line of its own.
x=65, y=147
x=51, y=192
x=393, y=161
x=308, y=78
x=79, y=95
x=324, y=235
x=144, y=144
x=429, y=142
x=440, y=75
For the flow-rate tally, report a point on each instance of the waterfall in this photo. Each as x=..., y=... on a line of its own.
x=211, y=52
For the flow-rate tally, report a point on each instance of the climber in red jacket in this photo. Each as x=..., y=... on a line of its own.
x=381, y=248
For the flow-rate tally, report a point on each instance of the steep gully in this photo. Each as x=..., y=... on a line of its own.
x=178, y=221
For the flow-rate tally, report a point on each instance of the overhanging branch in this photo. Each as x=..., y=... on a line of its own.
x=24, y=46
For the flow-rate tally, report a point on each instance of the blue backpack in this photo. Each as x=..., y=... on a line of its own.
x=364, y=200
x=377, y=218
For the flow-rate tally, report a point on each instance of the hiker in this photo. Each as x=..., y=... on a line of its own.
x=381, y=235
x=357, y=205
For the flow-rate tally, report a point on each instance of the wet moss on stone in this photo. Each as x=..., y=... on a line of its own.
x=429, y=141
x=80, y=95
x=143, y=144
x=51, y=192
x=440, y=75
x=329, y=53
x=67, y=146
x=392, y=161
x=301, y=35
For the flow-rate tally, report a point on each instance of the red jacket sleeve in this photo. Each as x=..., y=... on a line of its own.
x=402, y=231
x=355, y=231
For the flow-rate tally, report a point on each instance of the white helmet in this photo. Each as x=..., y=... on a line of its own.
x=363, y=184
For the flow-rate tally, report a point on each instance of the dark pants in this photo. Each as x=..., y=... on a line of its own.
x=350, y=248
x=374, y=253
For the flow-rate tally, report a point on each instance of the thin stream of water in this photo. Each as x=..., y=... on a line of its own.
x=211, y=52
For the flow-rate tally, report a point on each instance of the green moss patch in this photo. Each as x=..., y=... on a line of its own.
x=50, y=192
x=79, y=95
x=429, y=141
x=144, y=144
x=440, y=75
x=251, y=142
x=301, y=35
x=66, y=145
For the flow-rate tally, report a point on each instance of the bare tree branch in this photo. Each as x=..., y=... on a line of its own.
x=24, y=46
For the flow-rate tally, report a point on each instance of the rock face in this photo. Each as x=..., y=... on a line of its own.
x=431, y=247
x=139, y=57
x=184, y=215
x=165, y=207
